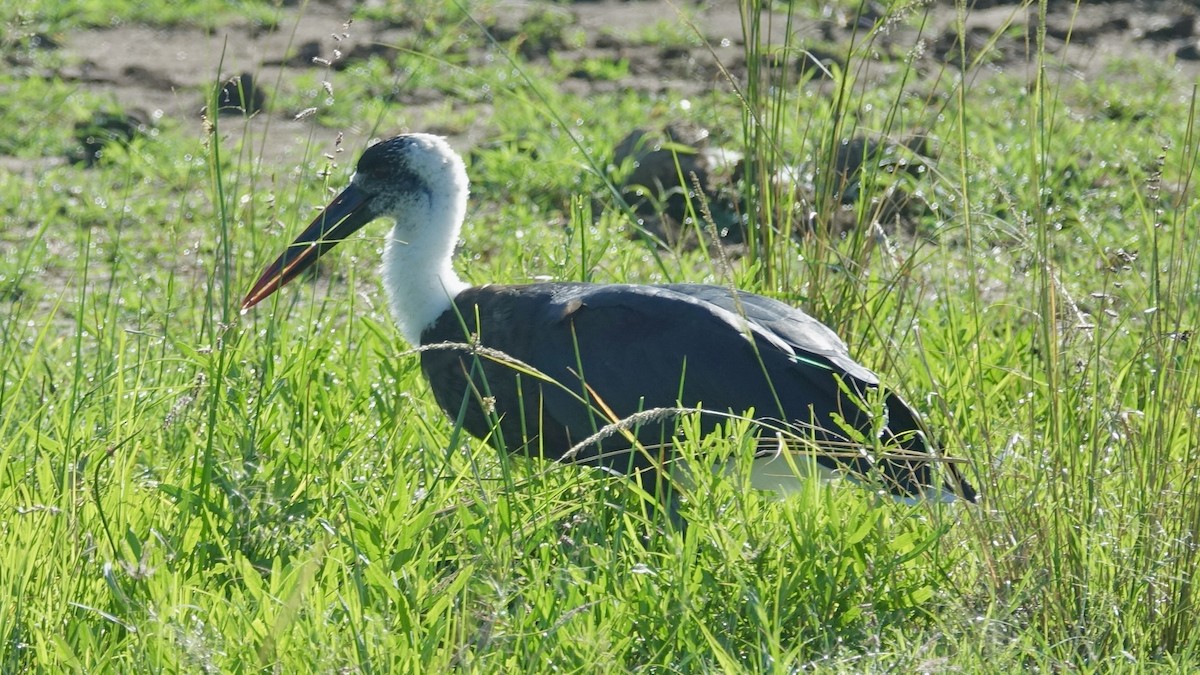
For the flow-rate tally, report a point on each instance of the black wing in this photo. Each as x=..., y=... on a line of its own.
x=643, y=347
x=627, y=349
x=804, y=334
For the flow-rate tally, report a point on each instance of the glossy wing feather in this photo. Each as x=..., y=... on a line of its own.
x=618, y=350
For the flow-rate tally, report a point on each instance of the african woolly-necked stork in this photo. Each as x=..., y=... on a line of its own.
x=546, y=369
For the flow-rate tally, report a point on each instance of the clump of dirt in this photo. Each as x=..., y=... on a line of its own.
x=678, y=184
x=240, y=96
x=104, y=130
x=684, y=189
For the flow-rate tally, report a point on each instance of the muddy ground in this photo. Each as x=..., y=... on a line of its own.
x=166, y=72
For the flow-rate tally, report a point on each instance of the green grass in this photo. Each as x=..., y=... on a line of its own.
x=57, y=16
x=185, y=488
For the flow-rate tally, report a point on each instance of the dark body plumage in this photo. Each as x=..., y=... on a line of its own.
x=641, y=347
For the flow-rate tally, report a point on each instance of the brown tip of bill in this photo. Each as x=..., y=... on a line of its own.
x=271, y=280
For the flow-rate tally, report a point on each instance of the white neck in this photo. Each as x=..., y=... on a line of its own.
x=419, y=288
x=420, y=282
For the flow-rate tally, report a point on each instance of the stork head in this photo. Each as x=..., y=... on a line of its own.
x=415, y=179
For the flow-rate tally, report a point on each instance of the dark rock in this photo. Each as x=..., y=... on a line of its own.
x=1174, y=28
x=145, y=77
x=240, y=96
x=676, y=174
x=104, y=129
x=1189, y=52
x=363, y=52
x=819, y=62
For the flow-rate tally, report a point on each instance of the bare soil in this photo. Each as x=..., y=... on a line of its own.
x=167, y=72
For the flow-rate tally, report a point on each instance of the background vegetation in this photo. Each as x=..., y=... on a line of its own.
x=187, y=488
